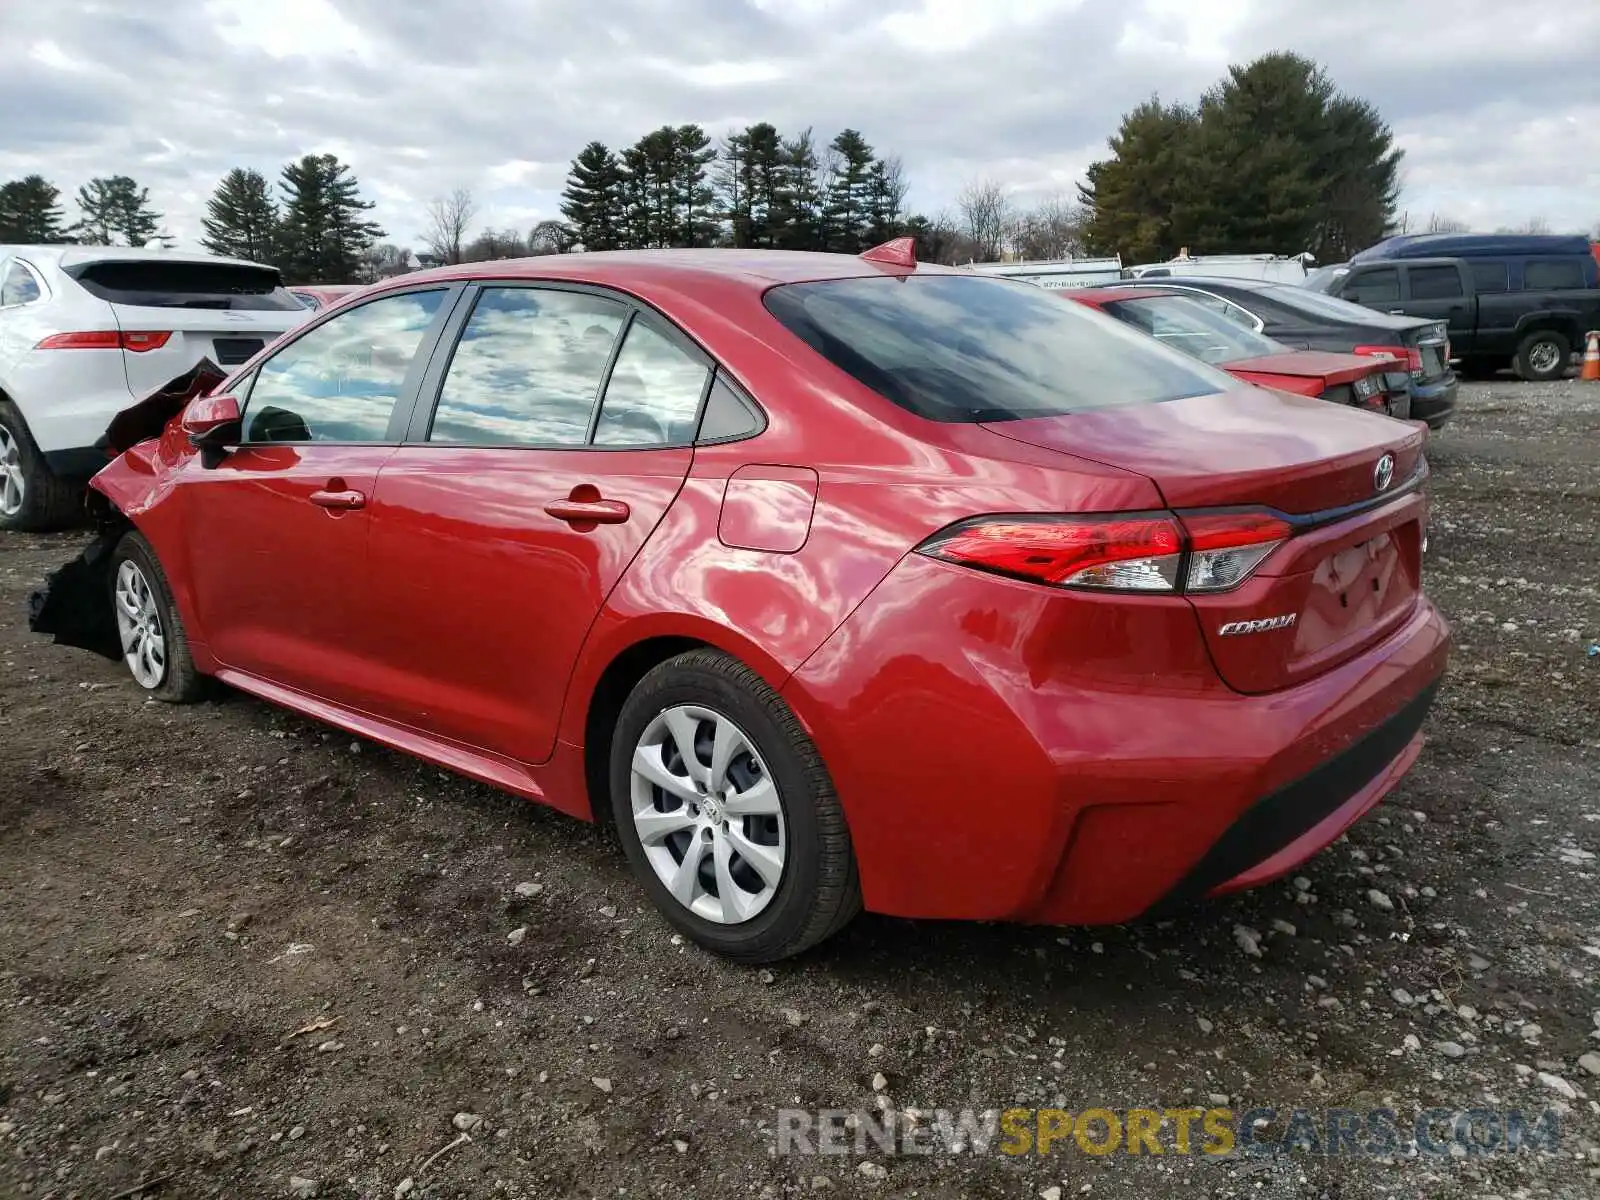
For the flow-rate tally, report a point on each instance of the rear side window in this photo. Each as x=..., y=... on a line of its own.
x=157, y=283
x=19, y=286
x=653, y=395
x=1374, y=287
x=1552, y=275
x=1490, y=275
x=1192, y=327
x=528, y=368
x=1436, y=283
x=966, y=348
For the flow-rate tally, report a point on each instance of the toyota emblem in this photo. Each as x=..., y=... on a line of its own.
x=1383, y=473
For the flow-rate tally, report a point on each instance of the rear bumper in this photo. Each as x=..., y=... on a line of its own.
x=1005, y=752
x=1434, y=403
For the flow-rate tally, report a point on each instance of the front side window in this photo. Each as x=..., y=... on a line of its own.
x=528, y=368
x=1436, y=283
x=342, y=380
x=1190, y=326
x=967, y=348
x=1552, y=275
x=1381, y=286
x=19, y=286
x=653, y=395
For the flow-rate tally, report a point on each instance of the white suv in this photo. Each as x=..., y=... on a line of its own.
x=84, y=330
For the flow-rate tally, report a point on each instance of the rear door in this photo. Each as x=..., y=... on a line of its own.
x=278, y=530
x=1443, y=292
x=562, y=432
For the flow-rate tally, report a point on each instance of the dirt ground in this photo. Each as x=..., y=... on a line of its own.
x=182, y=891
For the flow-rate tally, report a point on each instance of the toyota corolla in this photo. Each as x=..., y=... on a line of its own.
x=829, y=581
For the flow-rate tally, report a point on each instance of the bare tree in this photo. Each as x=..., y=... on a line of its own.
x=1054, y=229
x=448, y=220
x=551, y=237
x=384, y=261
x=495, y=243
x=986, y=217
x=1443, y=223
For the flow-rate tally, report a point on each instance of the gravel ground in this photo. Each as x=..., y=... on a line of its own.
x=241, y=956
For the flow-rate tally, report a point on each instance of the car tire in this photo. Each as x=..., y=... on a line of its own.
x=32, y=498
x=155, y=647
x=1543, y=356
x=780, y=809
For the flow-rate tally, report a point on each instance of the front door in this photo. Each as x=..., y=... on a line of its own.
x=563, y=431
x=278, y=529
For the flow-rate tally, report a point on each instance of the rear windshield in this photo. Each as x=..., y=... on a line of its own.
x=156, y=284
x=1190, y=326
x=1304, y=300
x=968, y=348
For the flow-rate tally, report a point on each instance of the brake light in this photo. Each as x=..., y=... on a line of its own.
x=1126, y=552
x=1226, y=548
x=1410, y=354
x=1138, y=552
x=137, y=342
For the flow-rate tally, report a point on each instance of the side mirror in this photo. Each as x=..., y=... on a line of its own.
x=212, y=422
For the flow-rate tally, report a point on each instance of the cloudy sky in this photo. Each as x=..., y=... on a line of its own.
x=1497, y=105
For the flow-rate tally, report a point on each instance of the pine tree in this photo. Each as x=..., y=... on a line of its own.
x=694, y=222
x=594, y=203
x=749, y=180
x=323, y=233
x=115, y=206
x=847, y=205
x=797, y=200
x=30, y=212
x=242, y=217
x=886, y=192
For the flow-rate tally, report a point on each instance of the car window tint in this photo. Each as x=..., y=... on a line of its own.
x=527, y=370
x=966, y=348
x=20, y=287
x=1436, y=283
x=1374, y=287
x=653, y=395
x=341, y=381
x=1489, y=275
x=727, y=415
x=1552, y=274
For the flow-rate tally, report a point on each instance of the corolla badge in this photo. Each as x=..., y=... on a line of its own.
x=1234, y=628
x=1383, y=473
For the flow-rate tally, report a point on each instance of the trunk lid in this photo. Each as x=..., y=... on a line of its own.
x=1348, y=574
x=228, y=338
x=1328, y=367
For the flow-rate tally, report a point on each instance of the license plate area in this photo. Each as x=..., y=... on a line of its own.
x=231, y=352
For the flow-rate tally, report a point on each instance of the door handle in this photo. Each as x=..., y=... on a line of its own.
x=589, y=512
x=341, y=501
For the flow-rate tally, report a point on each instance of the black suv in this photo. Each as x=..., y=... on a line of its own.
x=1522, y=301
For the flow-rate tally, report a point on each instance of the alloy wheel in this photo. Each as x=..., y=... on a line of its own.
x=11, y=493
x=144, y=643
x=1544, y=357
x=708, y=814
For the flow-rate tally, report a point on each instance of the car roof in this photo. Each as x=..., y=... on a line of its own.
x=1468, y=245
x=1111, y=293
x=757, y=270
x=68, y=255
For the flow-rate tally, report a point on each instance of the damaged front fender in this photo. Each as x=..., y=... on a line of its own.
x=74, y=606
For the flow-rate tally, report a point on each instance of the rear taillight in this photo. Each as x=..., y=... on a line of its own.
x=1226, y=548
x=1137, y=552
x=1409, y=354
x=136, y=342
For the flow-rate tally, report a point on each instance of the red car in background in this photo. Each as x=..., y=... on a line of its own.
x=317, y=296
x=829, y=581
x=1186, y=323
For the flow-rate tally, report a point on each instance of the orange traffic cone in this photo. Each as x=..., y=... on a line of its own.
x=1591, y=358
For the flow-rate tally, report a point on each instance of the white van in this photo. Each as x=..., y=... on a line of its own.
x=1056, y=272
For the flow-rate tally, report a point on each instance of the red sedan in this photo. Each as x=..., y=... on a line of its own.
x=832, y=582
x=1186, y=323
